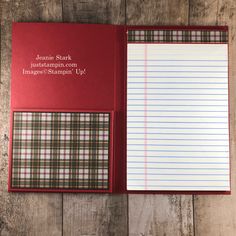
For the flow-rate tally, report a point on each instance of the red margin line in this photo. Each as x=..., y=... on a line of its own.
x=145, y=115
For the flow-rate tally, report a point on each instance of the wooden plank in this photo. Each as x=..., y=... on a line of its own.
x=159, y=214
x=161, y=12
x=97, y=12
x=216, y=215
x=94, y=214
x=23, y=214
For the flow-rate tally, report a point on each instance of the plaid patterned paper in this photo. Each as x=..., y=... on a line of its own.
x=60, y=150
x=194, y=36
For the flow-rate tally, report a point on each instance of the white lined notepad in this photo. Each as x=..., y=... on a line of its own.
x=177, y=117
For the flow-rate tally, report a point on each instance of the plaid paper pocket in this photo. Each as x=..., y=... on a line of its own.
x=61, y=150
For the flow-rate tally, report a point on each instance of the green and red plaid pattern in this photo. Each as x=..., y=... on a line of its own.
x=61, y=150
x=178, y=36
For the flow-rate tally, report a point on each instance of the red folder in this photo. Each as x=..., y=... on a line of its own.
x=76, y=71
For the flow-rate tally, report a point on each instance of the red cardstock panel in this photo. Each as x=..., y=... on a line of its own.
x=90, y=46
x=100, y=50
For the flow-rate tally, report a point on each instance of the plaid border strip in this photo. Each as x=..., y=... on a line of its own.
x=172, y=36
x=61, y=150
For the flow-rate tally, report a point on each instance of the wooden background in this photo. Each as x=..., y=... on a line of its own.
x=90, y=214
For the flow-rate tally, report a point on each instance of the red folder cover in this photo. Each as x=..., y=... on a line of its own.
x=69, y=106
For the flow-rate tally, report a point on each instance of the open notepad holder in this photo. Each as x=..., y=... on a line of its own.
x=119, y=109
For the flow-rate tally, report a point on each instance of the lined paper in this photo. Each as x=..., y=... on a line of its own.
x=177, y=117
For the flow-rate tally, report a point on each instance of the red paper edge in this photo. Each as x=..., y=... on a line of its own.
x=224, y=28
x=57, y=190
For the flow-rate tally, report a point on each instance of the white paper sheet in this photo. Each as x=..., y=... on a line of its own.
x=177, y=117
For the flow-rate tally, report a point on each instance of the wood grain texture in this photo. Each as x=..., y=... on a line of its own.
x=216, y=215
x=157, y=12
x=36, y=11
x=94, y=214
x=159, y=214
x=23, y=214
x=92, y=11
